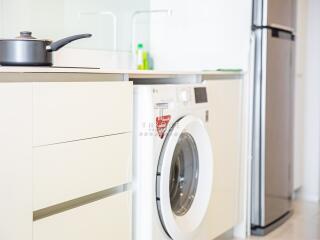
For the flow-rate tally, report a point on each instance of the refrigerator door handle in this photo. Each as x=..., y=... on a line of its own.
x=277, y=32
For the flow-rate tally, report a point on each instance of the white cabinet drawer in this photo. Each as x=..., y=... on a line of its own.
x=67, y=171
x=66, y=111
x=109, y=218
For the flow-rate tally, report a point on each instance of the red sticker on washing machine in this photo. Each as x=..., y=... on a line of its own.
x=162, y=123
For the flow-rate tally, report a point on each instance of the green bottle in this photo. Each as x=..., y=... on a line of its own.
x=145, y=57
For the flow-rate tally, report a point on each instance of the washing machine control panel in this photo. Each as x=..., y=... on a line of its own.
x=192, y=95
x=184, y=95
x=200, y=94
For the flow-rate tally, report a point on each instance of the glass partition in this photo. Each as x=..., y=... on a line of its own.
x=110, y=21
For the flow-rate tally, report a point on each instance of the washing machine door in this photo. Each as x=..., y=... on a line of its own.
x=184, y=178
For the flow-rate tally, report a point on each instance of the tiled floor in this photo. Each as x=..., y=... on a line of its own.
x=303, y=225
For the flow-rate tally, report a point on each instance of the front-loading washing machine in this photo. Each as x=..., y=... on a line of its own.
x=173, y=161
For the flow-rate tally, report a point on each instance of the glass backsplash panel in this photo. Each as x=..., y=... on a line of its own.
x=110, y=21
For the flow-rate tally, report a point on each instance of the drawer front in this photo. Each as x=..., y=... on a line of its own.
x=66, y=111
x=109, y=218
x=67, y=171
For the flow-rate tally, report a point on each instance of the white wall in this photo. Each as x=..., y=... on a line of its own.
x=201, y=34
x=299, y=100
x=311, y=184
x=44, y=18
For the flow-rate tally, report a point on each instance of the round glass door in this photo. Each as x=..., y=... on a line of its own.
x=184, y=178
x=184, y=175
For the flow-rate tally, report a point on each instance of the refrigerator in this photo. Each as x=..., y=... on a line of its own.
x=273, y=25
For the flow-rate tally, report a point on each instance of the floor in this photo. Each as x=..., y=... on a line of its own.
x=303, y=225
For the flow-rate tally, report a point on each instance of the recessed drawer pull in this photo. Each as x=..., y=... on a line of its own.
x=65, y=206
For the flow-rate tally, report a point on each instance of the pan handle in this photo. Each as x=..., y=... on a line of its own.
x=61, y=43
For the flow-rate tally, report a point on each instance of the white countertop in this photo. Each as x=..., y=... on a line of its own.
x=132, y=74
x=54, y=70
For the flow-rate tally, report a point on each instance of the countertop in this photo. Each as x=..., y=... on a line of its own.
x=113, y=74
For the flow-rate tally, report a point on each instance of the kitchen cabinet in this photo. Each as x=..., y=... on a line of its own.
x=66, y=153
x=65, y=156
x=16, y=161
x=225, y=111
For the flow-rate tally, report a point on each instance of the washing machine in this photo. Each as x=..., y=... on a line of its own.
x=173, y=161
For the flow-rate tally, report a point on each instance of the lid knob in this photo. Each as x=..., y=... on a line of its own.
x=26, y=35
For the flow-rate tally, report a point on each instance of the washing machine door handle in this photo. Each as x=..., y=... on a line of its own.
x=184, y=179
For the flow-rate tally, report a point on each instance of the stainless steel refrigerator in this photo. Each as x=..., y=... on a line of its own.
x=272, y=181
